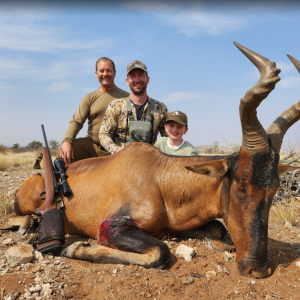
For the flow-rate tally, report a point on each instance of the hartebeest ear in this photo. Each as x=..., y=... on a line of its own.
x=284, y=168
x=216, y=168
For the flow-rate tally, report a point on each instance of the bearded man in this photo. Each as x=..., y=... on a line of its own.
x=133, y=118
x=92, y=107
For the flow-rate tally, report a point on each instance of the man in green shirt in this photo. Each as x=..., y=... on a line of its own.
x=92, y=107
x=176, y=127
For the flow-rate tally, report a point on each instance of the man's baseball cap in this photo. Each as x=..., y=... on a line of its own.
x=178, y=117
x=136, y=64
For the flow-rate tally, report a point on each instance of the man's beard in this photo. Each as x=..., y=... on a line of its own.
x=105, y=83
x=138, y=93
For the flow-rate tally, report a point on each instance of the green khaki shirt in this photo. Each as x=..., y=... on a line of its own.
x=186, y=149
x=92, y=107
x=113, y=130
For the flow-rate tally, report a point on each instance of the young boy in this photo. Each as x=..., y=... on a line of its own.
x=176, y=127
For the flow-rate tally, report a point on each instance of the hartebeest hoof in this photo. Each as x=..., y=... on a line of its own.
x=69, y=252
x=26, y=226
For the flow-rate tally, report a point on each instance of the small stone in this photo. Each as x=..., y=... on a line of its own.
x=35, y=289
x=219, y=268
x=229, y=257
x=27, y=295
x=288, y=224
x=115, y=271
x=298, y=264
x=38, y=256
x=185, y=252
x=7, y=242
x=252, y=282
x=210, y=275
x=188, y=280
x=20, y=254
x=36, y=269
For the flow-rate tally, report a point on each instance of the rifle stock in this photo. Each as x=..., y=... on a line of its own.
x=51, y=234
x=50, y=202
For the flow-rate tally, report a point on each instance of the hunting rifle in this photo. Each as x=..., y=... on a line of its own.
x=51, y=234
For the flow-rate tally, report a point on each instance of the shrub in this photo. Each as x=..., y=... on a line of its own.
x=5, y=162
x=3, y=149
x=285, y=211
x=53, y=144
x=34, y=145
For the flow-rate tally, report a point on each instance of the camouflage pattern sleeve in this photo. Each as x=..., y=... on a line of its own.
x=164, y=112
x=108, y=129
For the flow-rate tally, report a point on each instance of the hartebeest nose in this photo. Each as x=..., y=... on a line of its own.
x=260, y=274
x=259, y=271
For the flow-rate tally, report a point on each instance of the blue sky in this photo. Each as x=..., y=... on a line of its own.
x=48, y=52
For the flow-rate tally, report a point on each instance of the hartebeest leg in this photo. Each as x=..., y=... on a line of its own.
x=212, y=230
x=133, y=247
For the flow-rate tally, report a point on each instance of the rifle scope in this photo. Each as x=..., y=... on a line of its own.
x=60, y=166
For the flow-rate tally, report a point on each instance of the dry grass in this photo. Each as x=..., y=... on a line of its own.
x=17, y=159
x=6, y=202
x=5, y=162
x=285, y=211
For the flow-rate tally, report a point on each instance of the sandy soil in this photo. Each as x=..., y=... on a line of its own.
x=51, y=277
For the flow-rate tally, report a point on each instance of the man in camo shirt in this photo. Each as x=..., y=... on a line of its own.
x=114, y=131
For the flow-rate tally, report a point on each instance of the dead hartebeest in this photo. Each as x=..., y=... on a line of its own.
x=130, y=200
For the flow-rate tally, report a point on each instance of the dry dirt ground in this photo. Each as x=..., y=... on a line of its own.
x=51, y=277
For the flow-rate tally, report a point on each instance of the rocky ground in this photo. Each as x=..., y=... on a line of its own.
x=207, y=276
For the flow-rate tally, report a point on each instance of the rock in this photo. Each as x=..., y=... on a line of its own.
x=298, y=264
x=210, y=275
x=185, y=252
x=229, y=257
x=20, y=254
x=35, y=289
x=288, y=224
x=7, y=241
x=188, y=281
x=38, y=256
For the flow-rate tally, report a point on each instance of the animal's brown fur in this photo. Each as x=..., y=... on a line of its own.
x=164, y=195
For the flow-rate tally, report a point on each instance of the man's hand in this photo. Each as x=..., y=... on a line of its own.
x=66, y=152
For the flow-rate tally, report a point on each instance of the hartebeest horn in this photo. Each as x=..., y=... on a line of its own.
x=255, y=138
x=295, y=62
x=279, y=127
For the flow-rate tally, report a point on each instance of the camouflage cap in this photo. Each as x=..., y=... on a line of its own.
x=136, y=64
x=178, y=117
